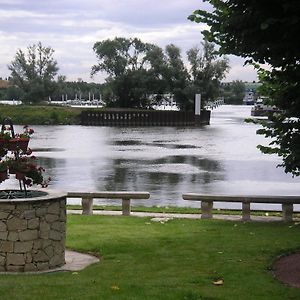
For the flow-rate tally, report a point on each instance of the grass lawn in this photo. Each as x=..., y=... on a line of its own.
x=40, y=115
x=180, y=259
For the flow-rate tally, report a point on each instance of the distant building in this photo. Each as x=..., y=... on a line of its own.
x=4, y=84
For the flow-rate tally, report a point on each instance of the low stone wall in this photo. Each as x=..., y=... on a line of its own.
x=32, y=233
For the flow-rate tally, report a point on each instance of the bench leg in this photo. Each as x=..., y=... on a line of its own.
x=287, y=212
x=206, y=210
x=126, y=209
x=87, y=206
x=246, y=211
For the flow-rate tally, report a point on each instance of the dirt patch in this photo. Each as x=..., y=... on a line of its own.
x=287, y=270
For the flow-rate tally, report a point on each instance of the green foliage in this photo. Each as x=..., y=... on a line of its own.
x=76, y=89
x=234, y=92
x=137, y=70
x=130, y=64
x=207, y=71
x=177, y=77
x=40, y=115
x=254, y=29
x=265, y=33
x=12, y=93
x=141, y=259
x=33, y=73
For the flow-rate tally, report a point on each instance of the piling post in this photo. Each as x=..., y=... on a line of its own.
x=197, y=109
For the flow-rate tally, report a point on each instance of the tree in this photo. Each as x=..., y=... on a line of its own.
x=33, y=72
x=156, y=80
x=264, y=33
x=234, y=92
x=177, y=77
x=76, y=89
x=204, y=75
x=137, y=70
x=129, y=63
x=207, y=71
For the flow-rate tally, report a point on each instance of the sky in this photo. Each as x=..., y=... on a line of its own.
x=71, y=27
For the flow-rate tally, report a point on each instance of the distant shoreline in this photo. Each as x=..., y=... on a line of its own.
x=49, y=114
x=41, y=114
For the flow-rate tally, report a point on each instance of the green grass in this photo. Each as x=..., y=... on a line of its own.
x=45, y=114
x=180, y=259
x=40, y=115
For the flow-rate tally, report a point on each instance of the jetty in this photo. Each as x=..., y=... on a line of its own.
x=150, y=117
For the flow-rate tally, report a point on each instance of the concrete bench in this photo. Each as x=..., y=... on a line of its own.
x=87, y=199
x=208, y=200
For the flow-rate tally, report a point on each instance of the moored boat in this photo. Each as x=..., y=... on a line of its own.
x=261, y=109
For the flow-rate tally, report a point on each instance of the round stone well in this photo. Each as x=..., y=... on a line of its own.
x=32, y=230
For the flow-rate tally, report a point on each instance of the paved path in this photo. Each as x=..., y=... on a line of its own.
x=179, y=216
x=75, y=261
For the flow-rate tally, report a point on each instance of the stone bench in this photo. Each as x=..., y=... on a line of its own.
x=87, y=199
x=208, y=200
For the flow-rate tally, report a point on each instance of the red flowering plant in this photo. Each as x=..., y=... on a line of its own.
x=21, y=163
x=20, y=141
x=26, y=134
x=27, y=170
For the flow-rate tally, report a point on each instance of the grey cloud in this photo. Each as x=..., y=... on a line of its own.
x=71, y=27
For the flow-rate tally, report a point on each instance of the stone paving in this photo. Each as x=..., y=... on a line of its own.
x=75, y=261
x=179, y=216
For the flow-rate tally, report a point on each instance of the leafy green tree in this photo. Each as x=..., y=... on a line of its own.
x=177, y=77
x=234, y=92
x=207, y=70
x=129, y=64
x=137, y=70
x=13, y=93
x=204, y=75
x=264, y=33
x=33, y=72
x=157, y=82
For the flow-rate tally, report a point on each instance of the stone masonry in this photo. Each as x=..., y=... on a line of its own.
x=32, y=235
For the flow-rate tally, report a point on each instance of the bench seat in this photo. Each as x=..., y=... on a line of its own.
x=88, y=197
x=208, y=200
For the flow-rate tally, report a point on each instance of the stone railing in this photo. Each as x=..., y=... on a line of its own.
x=208, y=200
x=87, y=199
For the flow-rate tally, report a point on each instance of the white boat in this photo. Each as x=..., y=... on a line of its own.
x=249, y=98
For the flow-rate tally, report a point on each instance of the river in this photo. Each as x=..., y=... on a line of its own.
x=221, y=158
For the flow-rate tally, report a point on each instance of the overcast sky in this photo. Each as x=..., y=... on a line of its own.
x=71, y=27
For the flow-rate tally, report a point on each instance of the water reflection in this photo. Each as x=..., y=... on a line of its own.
x=166, y=161
x=48, y=149
x=162, y=144
x=170, y=172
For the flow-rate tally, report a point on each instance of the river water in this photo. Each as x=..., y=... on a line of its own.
x=221, y=158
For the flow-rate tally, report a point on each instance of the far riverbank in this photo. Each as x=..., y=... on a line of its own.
x=41, y=114
x=52, y=114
